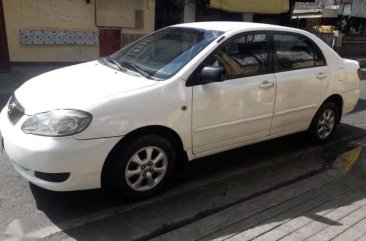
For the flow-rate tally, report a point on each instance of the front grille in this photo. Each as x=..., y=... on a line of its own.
x=15, y=110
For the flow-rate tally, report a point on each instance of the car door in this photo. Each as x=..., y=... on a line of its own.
x=302, y=77
x=240, y=108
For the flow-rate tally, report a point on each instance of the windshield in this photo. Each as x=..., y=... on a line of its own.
x=161, y=54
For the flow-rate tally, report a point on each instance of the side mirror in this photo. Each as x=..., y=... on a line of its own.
x=211, y=74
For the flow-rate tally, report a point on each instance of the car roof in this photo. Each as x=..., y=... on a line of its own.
x=226, y=26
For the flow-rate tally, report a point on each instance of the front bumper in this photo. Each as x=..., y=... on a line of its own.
x=82, y=159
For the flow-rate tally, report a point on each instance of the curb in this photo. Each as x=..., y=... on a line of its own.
x=353, y=162
x=348, y=159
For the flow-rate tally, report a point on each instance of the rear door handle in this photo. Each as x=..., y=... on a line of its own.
x=266, y=84
x=321, y=76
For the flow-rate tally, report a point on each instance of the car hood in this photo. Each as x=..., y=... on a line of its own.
x=76, y=87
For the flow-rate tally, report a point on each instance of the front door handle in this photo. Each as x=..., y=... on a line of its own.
x=266, y=84
x=321, y=76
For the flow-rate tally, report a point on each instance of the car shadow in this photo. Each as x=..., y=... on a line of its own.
x=61, y=207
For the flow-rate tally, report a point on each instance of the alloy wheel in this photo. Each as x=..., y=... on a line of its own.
x=146, y=168
x=326, y=123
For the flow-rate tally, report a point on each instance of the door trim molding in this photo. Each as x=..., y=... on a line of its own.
x=295, y=109
x=229, y=123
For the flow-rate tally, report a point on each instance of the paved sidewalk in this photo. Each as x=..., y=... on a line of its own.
x=328, y=206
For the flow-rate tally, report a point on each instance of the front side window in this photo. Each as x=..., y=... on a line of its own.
x=245, y=55
x=161, y=54
x=296, y=52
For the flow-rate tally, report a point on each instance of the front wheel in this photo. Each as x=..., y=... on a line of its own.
x=143, y=167
x=324, y=123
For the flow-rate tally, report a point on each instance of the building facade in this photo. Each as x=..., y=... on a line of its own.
x=73, y=30
x=83, y=30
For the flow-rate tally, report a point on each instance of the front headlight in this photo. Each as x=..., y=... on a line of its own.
x=57, y=123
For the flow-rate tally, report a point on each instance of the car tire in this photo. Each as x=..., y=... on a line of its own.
x=142, y=167
x=324, y=123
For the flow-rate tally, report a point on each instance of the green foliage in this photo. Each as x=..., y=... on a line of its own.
x=348, y=26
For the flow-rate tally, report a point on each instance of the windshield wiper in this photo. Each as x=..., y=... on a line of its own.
x=113, y=61
x=134, y=66
x=138, y=69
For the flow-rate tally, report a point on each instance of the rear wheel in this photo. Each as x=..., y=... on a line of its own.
x=324, y=123
x=142, y=168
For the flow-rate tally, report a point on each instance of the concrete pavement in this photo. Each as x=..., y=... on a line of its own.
x=328, y=206
x=293, y=198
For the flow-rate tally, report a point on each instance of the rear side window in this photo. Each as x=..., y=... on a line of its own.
x=296, y=52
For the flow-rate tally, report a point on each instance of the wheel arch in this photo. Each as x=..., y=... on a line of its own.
x=338, y=100
x=158, y=130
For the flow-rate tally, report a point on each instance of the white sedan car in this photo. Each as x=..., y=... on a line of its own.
x=181, y=93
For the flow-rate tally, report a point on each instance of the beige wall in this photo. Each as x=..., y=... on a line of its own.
x=70, y=15
x=148, y=6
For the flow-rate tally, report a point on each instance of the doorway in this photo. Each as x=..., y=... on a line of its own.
x=109, y=41
x=4, y=51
